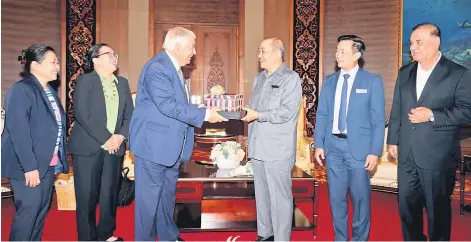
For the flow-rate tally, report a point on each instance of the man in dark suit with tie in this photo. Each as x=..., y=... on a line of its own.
x=431, y=99
x=162, y=135
x=350, y=136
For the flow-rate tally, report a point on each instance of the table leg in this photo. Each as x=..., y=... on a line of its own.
x=462, y=175
x=315, y=208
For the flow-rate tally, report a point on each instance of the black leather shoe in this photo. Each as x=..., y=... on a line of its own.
x=260, y=238
x=180, y=239
x=119, y=239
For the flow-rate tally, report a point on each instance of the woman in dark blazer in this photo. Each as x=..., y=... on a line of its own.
x=33, y=141
x=102, y=109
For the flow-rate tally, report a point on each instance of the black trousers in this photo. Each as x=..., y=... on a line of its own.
x=419, y=188
x=31, y=204
x=96, y=180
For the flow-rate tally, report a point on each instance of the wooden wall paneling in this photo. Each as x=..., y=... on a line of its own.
x=25, y=23
x=321, y=45
x=377, y=23
x=277, y=19
x=197, y=11
x=290, y=43
x=151, y=29
x=241, y=45
x=241, y=64
x=63, y=56
x=217, y=51
x=113, y=20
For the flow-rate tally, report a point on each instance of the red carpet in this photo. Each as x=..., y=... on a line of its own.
x=60, y=225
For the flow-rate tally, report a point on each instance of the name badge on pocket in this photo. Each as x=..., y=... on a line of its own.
x=361, y=91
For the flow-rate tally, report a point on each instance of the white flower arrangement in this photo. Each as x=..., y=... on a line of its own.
x=217, y=90
x=229, y=150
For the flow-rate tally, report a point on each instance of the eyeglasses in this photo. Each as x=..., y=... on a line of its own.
x=111, y=55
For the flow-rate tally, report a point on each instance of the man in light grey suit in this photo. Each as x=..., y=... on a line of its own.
x=273, y=113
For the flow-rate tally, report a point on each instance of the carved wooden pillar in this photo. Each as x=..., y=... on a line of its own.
x=306, y=53
x=81, y=32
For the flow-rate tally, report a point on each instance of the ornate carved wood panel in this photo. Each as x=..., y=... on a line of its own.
x=306, y=54
x=217, y=57
x=81, y=35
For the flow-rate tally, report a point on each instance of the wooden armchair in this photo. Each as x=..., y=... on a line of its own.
x=303, y=143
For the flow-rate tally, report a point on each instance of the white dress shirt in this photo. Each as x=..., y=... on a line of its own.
x=422, y=77
x=338, y=96
x=185, y=87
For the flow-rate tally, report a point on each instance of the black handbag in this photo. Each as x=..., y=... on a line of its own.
x=126, y=189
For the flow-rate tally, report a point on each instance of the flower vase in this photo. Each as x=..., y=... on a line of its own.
x=223, y=163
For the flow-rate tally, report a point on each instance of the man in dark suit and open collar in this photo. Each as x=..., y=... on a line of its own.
x=431, y=99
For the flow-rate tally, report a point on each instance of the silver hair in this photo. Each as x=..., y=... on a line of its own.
x=177, y=35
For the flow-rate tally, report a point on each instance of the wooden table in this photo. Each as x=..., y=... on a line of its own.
x=208, y=200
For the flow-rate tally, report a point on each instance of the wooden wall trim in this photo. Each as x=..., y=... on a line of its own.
x=241, y=45
x=151, y=28
x=399, y=53
x=98, y=8
x=321, y=46
x=218, y=12
x=181, y=23
x=291, y=34
x=63, y=57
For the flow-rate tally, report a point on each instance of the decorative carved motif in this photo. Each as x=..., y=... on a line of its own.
x=81, y=31
x=216, y=73
x=306, y=54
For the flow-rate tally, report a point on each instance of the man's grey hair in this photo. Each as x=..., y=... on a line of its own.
x=277, y=44
x=177, y=35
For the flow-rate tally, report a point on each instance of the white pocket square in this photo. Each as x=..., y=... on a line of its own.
x=361, y=91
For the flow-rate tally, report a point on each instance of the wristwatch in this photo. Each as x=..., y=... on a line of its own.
x=432, y=118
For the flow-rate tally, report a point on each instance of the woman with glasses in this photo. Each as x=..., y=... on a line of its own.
x=33, y=141
x=102, y=109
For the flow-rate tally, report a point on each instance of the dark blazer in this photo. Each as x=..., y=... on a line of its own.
x=434, y=145
x=89, y=132
x=162, y=126
x=30, y=134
